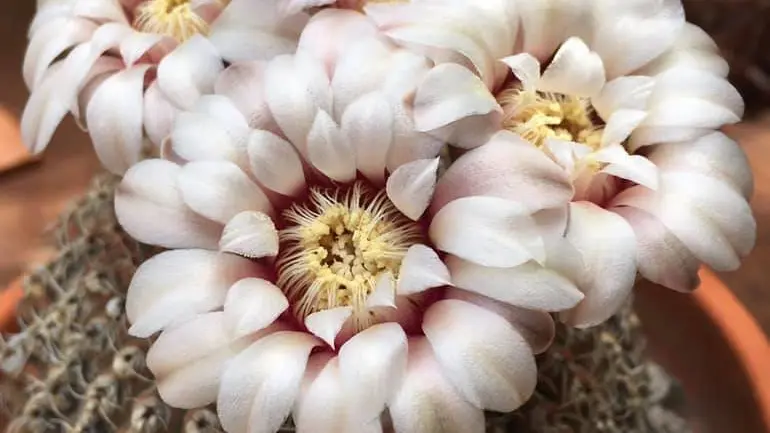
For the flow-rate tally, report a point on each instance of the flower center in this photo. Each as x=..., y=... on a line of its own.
x=538, y=116
x=174, y=18
x=338, y=246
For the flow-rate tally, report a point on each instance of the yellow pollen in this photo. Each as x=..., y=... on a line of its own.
x=538, y=116
x=174, y=18
x=337, y=247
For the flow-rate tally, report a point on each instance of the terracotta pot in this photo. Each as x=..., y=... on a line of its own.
x=9, y=299
x=715, y=348
x=707, y=340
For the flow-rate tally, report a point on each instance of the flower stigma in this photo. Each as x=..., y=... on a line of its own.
x=174, y=18
x=538, y=116
x=338, y=246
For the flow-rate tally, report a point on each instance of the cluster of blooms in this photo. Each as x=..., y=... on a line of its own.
x=380, y=207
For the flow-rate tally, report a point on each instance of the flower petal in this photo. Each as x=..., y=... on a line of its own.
x=159, y=114
x=250, y=234
x=693, y=83
x=411, y=186
x=384, y=294
x=528, y=285
x=630, y=92
x=574, y=70
x=148, y=195
x=450, y=93
x=189, y=71
x=421, y=269
x=608, y=247
x=635, y=168
x=251, y=305
x=199, y=136
x=248, y=30
x=506, y=167
x=330, y=151
x=261, y=384
x=494, y=369
x=116, y=129
x=661, y=257
x=368, y=125
x=526, y=68
x=327, y=324
x=427, y=402
x=372, y=366
x=489, y=231
x=243, y=84
x=178, y=284
x=650, y=28
x=323, y=405
x=59, y=35
x=275, y=163
x=620, y=125
x=295, y=90
x=219, y=190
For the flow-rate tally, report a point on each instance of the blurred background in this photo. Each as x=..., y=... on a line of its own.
x=33, y=191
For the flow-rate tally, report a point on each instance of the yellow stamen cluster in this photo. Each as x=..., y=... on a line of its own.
x=174, y=18
x=338, y=245
x=538, y=116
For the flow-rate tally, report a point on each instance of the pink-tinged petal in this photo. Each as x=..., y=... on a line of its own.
x=545, y=25
x=289, y=7
x=526, y=68
x=384, y=294
x=537, y=327
x=149, y=206
x=327, y=324
x=243, y=84
x=260, y=385
x=494, y=369
x=692, y=83
x=296, y=90
x=372, y=366
x=661, y=257
x=251, y=305
x=489, y=231
x=250, y=234
x=44, y=111
x=50, y=42
x=195, y=385
x=683, y=219
x=646, y=135
x=248, y=30
x=136, y=45
x=103, y=68
x=630, y=93
x=189, y=71
x=329, y=150
x=116, y=129
x=450, y=93
x=635, y=168
x=427, y=402
x=527, y=285
x=411, y=186
x=179, y=284
x=506, y=167
x=574, y=70
x=409, y=145
x=275, y=163
x=620, y=125
x=607, y=245
x=714, y=155
x=323, y=406
x=190, y=341
x=225, y=111
x=711, y=62
x=159, y=114
x=650, y=28
x=331, y=32
x=219, y=190
x=201, y=137
x=718, y=202
x=368, y=125
x=689, y=113
x=421, y=269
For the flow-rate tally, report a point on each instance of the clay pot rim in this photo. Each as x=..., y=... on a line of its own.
x=742, y=333
x=9, y=299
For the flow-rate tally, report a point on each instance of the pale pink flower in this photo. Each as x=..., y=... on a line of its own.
x=306, y=278
x=596, y=86
x=125, y=68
